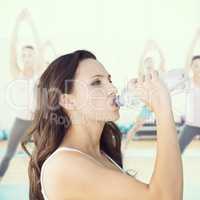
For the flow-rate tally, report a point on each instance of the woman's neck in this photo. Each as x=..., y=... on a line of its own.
x=196, y=80
x=84, y=137
x=27, y=72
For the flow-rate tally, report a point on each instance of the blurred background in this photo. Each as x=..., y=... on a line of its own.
x=116, y=32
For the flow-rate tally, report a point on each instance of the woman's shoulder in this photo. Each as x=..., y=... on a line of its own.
x=64, y=159
x=66, y=169
x=63, y=164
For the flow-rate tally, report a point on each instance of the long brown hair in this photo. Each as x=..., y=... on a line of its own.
x=46, y=133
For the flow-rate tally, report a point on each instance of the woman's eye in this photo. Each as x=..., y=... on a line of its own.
x=98, y=82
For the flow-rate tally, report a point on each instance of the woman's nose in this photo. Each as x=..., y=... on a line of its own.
x=112, y=90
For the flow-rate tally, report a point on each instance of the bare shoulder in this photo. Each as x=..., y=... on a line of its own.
x=63, y=174
x=72, y=175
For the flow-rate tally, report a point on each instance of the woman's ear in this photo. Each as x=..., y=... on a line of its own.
x=67, y=102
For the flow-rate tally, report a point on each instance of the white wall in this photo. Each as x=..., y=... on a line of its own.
x=115, y=30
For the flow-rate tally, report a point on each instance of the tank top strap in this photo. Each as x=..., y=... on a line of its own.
x=74, y=149
x=114, y=162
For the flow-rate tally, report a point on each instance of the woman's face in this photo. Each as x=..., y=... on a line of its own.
x=148, y=64
x=196, y=67
x=94, y=92
x=28, y=57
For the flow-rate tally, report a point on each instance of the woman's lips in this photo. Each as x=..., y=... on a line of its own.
x=113, y=103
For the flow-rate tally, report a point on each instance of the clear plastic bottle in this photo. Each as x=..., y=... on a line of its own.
x=128, y=99
x=172, y=79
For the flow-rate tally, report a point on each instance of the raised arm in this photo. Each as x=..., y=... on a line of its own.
x=49, y=45
x=147, y=49
x=162, y=58
x=166, y=173
x=191, y=50
x=179, y=88
x=137, y=126
x=14, y=68
x=24, y=16
x=144, y=115
x=37, y=41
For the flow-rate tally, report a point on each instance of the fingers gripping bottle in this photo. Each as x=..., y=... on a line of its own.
x=172, y=79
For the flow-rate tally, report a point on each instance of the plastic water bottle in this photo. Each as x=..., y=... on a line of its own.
x=127, y=98
x=172, y=79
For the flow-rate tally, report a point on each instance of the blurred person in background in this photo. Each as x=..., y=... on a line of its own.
x=191, y=87
x=24, y=76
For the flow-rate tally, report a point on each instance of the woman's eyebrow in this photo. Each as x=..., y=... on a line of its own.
x=100, y=75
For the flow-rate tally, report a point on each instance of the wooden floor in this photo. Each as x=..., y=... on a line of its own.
x=139, y=157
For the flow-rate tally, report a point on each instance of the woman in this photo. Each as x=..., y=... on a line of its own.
x=147, y=61
x=192, y=90
x=25, y=77
x=77, y=152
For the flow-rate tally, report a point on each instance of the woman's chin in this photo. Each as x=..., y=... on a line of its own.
x=106, y=116
x=114, y=117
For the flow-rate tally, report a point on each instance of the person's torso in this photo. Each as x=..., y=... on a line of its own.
x=193, y=105
x=22, y=96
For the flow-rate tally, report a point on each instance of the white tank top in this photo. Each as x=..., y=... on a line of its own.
x=193, y=105
x=69, y=149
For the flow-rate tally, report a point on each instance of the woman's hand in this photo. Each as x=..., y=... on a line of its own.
x=24, y=14
x=152, y=91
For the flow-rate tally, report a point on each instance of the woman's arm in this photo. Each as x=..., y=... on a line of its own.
x=168, y=170
x=138, y=125
x=24, y=16
x=37, y=41
x=49, y=45
x=147, y=49
x=144, y=114
x=168, y=167
x=162, y=58
x=14, y=68
x=179, y=88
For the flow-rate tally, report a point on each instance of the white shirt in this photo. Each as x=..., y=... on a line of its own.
x=193, y=105
x=21, y=95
